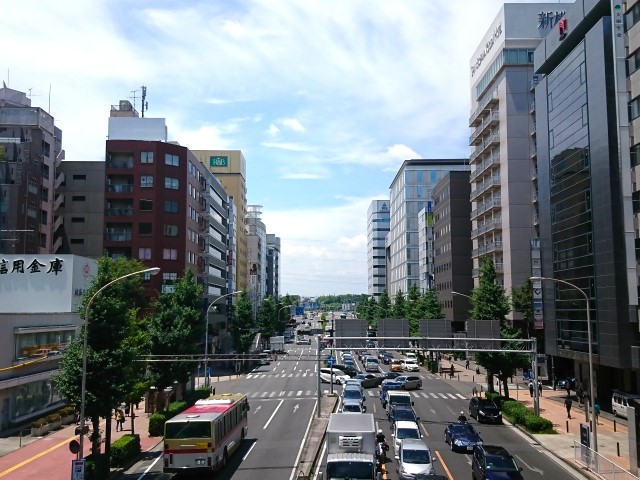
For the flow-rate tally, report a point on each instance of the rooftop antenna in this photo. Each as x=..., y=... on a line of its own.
x=145, y=104
x=134, y=98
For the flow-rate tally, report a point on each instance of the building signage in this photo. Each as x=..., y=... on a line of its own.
x=220, y=161
x=10, y=140
x=550, y=19
x=35, y=266
x=562, y=29
x=487, y=48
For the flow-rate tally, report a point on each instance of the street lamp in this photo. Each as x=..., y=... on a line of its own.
x=591, y=377
x=206, y=334
x=279, y=310
x=83, y=387
x=461, y=294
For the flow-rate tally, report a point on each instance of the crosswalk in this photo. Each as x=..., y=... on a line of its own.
x=310, y=373
x=370, y=393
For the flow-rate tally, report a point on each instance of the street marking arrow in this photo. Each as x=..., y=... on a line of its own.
x=255, y=410
x=296, y=407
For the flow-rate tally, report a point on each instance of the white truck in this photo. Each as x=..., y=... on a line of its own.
x=277, y=344
x=351, y=447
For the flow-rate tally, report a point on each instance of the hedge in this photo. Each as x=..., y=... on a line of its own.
x=175, y=408
x=97, y=466
x=156, y=424
x=124, y=449
x=192, y=396
x=156, y=421
x=521, y=415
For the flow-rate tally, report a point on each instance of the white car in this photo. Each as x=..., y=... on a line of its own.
x=339, y=377
x=404, y=429
x=409, y=365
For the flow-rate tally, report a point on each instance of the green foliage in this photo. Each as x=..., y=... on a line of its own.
x=38, y=423
x=97, y=466
x=243, y=322
x=519, y=414
x=53, y=418
x=156, y=424
x=522, y=301
x=114, y=339
x=66, y=411
x=538, y=424
x=430, y=305
x=399, y=306
x=489, y=300
x=384, y=305
x=192, y=396
x=175, y=408
x=124, y=449
x=175, y=328
x=267, y=321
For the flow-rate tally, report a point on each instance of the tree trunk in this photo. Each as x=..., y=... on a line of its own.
x=107, y=437
x=490, y=382
x=95, y=435
x=505, y=387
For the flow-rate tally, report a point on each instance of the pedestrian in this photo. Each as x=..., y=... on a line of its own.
x=568, y=389
x=579, y=394
x=119, y=420
x=539, y=388
x=475, y=391
x=477, y=370
x=466, y=364
x=596, y=411
x=531, y=387
x=453, y=371
x=567, y=404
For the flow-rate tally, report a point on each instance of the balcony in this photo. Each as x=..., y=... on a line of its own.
x=120, y=187
x=494, y=181
x=490, y=100
x=536, y=219
x=59, y=201
x=57, y=244
x=117, y=235
x=534, y=174
x=119, y=211
x=532, y=130
x=60, y=180
x=532, y=106
x=533, y=152
x=534, y=197
x=58, y=222
x=120, y=160
x=487, y=248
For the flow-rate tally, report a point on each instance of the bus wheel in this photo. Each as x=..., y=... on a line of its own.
x=224, y=458
x=242, y=434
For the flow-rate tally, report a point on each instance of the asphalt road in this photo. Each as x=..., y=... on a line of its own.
x=282, y=398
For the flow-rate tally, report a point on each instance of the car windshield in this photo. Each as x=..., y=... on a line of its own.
x=488, y=405
x=401, y=400
x=349, y=393
x=351, y=407
x=404, y=414
x=416, y=456
x=501, y=464
x=463, y=429
x=407, y=433
x=345, y=469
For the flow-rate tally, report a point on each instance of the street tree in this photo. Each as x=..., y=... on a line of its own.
x=413, y=311
x=176, y=327
x=399, y=306
x=522, y=302
x=243, y=323
x=267, y=321
x=384, y=305
x=489, y=302
x=284, y=315
x=114, y=343
x=430, y=305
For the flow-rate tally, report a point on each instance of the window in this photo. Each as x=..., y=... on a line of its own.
x=144, y=253
x=171, y=230
x=170, y=276
x=170, y=159
x=171, y=183
x=78, y=198
x=77, y=241
x=79, y=177
x=145, y=229
x=146, y=205
x=169, y=254
x=170, y=206
x=146, y=181
x=146, y=157
x=77, y=219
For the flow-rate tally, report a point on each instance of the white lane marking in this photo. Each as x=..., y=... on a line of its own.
x=151, y=466
x=299, y=393
x=255, y=410
x=452, y=396
x=444, y=396
x=272, y=415
x=263, y=394
x=295, y=408
x=294, y=471
x=433, y=395
x=533, y=469
x=461, y=396
x=249, y=451
x=272, y=394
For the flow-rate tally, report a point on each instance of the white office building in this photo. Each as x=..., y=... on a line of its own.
x=377, y=229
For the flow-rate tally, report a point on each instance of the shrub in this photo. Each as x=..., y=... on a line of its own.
x=175, y=408
x=156, y=424
x=40, y=422
x=124, y=449
x=66, y=411
x=192, y=396
x=538, y=424
x=515, y=410
x=97, y=467
x=53, y=417
x=496, y=398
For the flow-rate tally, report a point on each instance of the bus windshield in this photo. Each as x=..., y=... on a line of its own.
x=176, y=430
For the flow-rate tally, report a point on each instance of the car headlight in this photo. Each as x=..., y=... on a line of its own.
x=459, y=442
x=480, y=412
x=479, y=442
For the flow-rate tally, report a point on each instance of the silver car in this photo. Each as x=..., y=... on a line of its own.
x=414, y=457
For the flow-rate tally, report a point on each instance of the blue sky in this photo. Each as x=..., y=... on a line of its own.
x=324, y=98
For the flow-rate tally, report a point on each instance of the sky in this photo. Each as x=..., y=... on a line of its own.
x=325, y=99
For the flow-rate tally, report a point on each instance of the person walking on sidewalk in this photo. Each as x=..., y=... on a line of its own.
x=567, y=404
x=466, y=364
x=596, y=411
x=119, y=420
x=531, y=387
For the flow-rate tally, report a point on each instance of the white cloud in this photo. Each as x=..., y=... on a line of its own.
x=294, y=147
x=294, y=124
x=273, y=130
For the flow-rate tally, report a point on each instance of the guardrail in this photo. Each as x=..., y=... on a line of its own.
x=599, y=464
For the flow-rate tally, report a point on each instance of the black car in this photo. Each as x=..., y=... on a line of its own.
x=347, y=369
x=461, y=437
x=484, y=410
x=491, y=462
x=402, y=412
x=369, y=380
x=390, y=375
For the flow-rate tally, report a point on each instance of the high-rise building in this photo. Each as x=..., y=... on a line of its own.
x=165, y=208
x=378, y=216
x=273, y=266
x=411, y=189
x=257, y=254
x=502, y=138
x=230, y=167
x=30, y=156
x=588, y=191
x=452, y=246
x=83, y=210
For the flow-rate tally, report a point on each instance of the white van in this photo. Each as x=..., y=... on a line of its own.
x=620, y=401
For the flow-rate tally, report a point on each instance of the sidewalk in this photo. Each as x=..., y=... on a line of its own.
x=612, y=435
x=17, y=454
